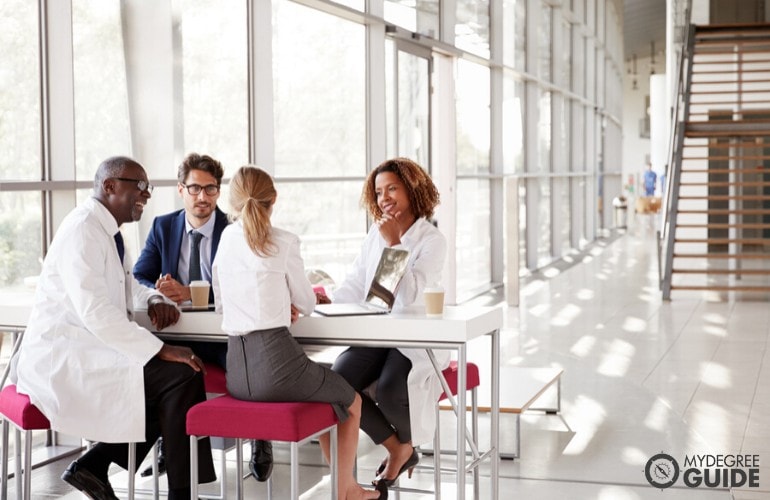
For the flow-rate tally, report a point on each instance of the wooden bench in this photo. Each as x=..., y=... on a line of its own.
x=521, y=387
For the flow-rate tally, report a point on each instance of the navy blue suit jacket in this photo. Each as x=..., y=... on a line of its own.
x=160, y=255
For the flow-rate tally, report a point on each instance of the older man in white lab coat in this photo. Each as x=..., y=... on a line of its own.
x=90, y=369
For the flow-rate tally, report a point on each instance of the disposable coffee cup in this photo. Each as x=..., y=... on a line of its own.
x=434, y=301
x=199, y=293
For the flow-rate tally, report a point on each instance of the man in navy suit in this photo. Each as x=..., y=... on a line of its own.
x=165, y=261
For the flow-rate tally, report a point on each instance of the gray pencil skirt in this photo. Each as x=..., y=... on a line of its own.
x=269, y=365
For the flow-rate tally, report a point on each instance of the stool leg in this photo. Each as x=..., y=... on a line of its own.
x=437, y=456
x=475, y=432
x=4, y=493
x=27, y=465
x=239, y=469
x=294, y=471
x=194, y=467
x=17, y=453
x=334, y=465
x=155, y=474
x=131, y=470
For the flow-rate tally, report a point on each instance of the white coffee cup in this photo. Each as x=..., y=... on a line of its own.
x=199, y=293
x=434, y=301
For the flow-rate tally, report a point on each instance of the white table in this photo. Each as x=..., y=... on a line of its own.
x=410, y=329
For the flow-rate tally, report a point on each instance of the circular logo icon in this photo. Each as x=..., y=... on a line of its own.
x=661, y=470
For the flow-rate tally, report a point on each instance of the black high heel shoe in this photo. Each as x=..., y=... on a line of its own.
x=409, y=465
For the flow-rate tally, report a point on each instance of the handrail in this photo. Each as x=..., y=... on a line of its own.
x=679, y=113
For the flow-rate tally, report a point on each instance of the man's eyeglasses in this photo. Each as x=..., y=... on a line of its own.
x=141, y=184
x=195, y=189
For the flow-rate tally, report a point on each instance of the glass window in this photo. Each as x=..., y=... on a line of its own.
x=544, y=256
x=214, y=82
x=19, y=91
x=319, y=93
x=513, y=125
x=544, y=133
x=331, y=233
x=520, y=35
x=409, y=122
x=20, y=237
x=419, y=17
x=473, y=121
x=101, y=94
x=544, y=39
x=472, y=26
x=473, y=237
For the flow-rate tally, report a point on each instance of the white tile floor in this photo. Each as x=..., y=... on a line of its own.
x=641, y=376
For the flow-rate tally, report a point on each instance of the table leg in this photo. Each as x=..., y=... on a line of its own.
x=495, y=416
x=461, y=414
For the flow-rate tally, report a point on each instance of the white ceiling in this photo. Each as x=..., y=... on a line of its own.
x=644, y=21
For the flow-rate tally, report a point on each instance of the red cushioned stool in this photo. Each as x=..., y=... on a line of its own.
x=17, y=409
x=215, y=379
x=296, y=423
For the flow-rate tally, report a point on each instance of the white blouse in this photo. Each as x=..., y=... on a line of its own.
x=427, y=253
x=256, y=293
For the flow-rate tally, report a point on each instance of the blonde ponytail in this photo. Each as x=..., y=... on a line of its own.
x=252, y=195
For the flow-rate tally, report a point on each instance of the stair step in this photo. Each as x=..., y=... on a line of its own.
x=726, y=133
x=722, y=288
x=747, y=256
x=726, y=184
x=717, y=50
x=726, y=157
x=728, y=82
x=723, y=145
x=725, y=241
x=696, y=71
x=754, y=272
x=726, y=225
x=732, y=103
x=727, y=211
x=746, y=170
x=727, y=197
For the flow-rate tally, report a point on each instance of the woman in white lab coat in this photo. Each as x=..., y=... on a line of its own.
x=400, y=196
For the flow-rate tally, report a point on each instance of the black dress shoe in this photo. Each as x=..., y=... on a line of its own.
x=161, y=462
x=85, y=481
x=261, y=463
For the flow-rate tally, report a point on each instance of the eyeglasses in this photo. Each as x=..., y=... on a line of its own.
x=141, y=184
x=195, y=189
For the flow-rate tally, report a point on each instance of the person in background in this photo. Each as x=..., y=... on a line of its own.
x=165, y=264
x=258, y=277
x=400, y=196
x=88, y=366
x=649, y=181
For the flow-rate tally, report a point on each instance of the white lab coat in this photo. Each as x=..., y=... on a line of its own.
x=427, y=252
x=81, y=361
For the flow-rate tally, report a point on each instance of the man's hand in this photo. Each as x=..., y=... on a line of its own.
x=162, y=314
x=179, y=354
x=294, y=314
x=172, y=289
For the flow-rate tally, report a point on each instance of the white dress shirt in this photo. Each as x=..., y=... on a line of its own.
x=427, y=253
x=256, y=293
x=81, y=361
x=183, y=268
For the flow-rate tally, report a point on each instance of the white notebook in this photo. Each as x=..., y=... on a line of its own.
x=382, y=291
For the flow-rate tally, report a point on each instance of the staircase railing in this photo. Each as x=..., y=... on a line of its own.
x=679, y=117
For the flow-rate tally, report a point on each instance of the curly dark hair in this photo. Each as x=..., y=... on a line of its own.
x=423, y=195
x=194, y=161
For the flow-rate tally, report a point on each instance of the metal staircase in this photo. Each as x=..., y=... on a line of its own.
x=716, y=230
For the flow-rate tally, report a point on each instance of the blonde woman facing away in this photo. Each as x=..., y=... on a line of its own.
x=400, y=196
x=257, y=275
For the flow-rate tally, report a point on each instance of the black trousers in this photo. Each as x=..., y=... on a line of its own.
x=388, y=413
x=170, y=389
